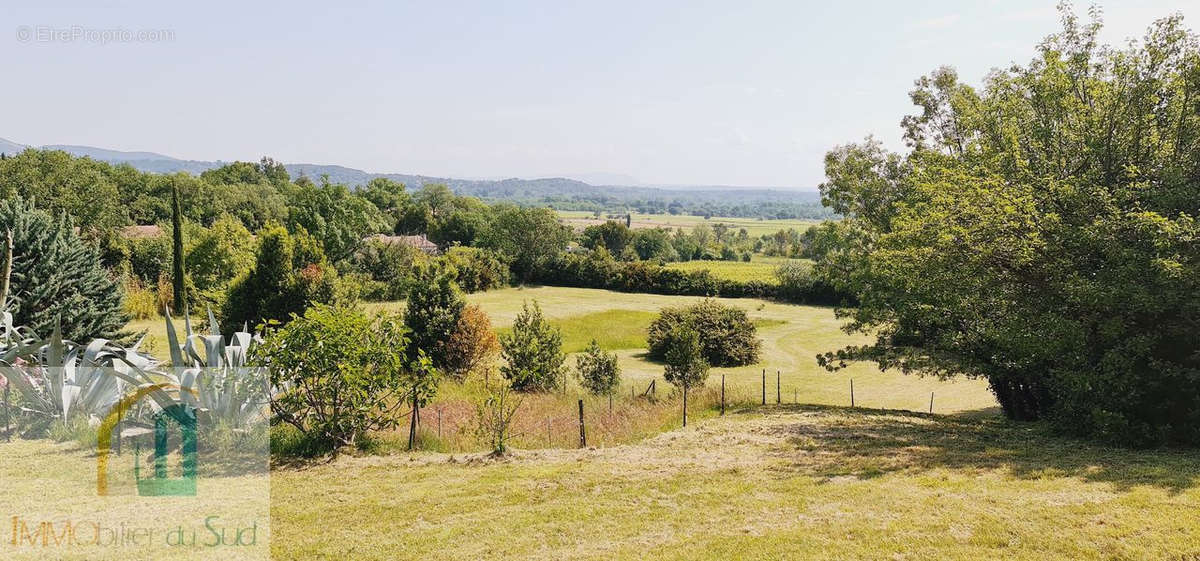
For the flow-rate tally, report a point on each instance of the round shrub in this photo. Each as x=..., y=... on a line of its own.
x=727, y=335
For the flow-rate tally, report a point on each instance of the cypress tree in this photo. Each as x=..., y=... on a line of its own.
x=177, y=286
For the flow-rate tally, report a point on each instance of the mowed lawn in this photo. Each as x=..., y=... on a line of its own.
x=775, y=482
x=579, y=220
x=761, y=269
x=792, y=337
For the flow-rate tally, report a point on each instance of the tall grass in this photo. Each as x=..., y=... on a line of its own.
x=141, y=302
x=551, y=420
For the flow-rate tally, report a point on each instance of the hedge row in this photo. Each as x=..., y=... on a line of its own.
x=588, y=271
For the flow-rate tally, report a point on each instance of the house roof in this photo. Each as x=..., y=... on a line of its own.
x=138, y=232
x=419, y=241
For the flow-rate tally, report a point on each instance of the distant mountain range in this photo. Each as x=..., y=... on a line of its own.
x=561, y=192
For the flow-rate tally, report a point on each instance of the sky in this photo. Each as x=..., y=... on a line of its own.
x=670, y=93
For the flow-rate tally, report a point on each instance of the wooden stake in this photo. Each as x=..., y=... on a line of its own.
x=439, y=423
x=582, y=432
x=851, y=392
x=778, y=396
x=685, y=407
x=764, y=386
x=930, y=403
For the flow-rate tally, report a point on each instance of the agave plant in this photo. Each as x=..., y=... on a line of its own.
x=221, y=382
x=58, y=378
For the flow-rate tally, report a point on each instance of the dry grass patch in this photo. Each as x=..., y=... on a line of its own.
x=781, y=483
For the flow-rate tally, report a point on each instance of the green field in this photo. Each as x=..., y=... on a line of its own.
x=808, y=478
x=792, y=336
x=790, y=343
x=580, y=219
x=760, y=269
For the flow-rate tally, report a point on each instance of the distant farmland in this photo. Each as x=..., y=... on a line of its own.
x=755, y=227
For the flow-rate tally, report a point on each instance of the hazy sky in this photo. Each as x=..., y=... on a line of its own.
x=734, y=92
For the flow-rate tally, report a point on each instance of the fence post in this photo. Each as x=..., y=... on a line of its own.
x=851, y=392
x=582, y=432
x=685, y=406
x=722, y=394
x=610, y=402
x=439, y=423
x=764, y=386
x=930, y=403
x=778, y=397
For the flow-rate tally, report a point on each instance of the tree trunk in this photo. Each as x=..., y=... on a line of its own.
x=685, y=406
x=6, y=273
x=1021, y=397
x=412, y=427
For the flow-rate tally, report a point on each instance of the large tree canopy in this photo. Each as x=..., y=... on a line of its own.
x=1042, y=234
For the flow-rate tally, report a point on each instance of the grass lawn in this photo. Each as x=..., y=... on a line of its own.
x=781, y=482
x=792, y=336
x=760, y=269
x=580, y=219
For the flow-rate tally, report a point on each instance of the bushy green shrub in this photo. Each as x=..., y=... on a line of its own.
x=277, y=286
x=57, y=277
x=219, y=253
x=391, y=269
x=340, y=372
x=533, y=352
x=434, y=307
x=598, y=370
x=149, y=257
x=727, y=335
x=477, y=270
x=597, y=269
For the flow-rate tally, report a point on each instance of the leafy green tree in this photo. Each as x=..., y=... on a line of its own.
x=476, y=269
x=218, y=254
x=85, y=189
x=57, y=277
x=612, y=235
x=1041, y=235
x=686, y=367
x=341, y=374
x=532, y=352
x=654, y=244
x=435, y=305
x=598, y=370
x=339, y=219
x=527, y=237
x=278, y=285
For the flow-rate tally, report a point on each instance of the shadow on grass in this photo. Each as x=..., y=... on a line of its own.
x=867, y=443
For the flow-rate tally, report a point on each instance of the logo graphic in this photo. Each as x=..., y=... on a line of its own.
x=160, y=484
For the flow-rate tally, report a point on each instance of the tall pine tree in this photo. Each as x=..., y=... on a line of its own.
x=57, y=275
